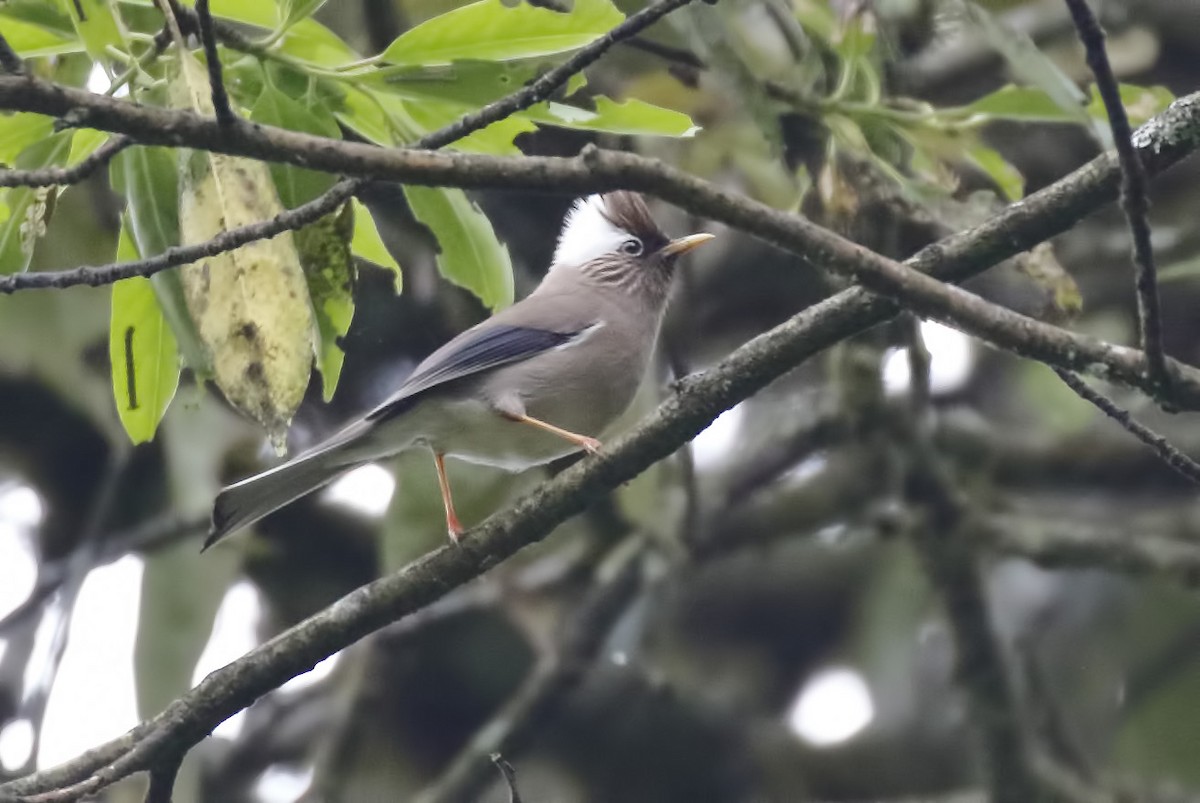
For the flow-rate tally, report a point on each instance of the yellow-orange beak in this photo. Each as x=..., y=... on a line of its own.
x=685, y=244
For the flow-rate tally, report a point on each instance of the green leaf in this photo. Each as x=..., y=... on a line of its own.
x=367, y=244
x=85, y=143
x=630, y=117
x=148, y=178
x=1140, y=102
x=30, y=40
x=97, y=26
x=145, y=360
x=1007, y=178
x=1021, y=103
x=472, y=83
x=310, y=41
x=1029, y=64
x=296, y=185
x=28, y=208
x=19, y=131
x=361, y=112
x=470, y=255
x=430, y=115
x=324, y=250
x=293, y=11
x=488, y=30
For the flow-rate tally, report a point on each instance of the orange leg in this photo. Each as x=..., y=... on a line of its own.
x=589, y=445
x=453, y=525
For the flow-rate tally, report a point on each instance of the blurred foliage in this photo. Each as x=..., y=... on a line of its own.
x=793, y=103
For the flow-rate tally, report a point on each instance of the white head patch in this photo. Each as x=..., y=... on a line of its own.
x=587, y=234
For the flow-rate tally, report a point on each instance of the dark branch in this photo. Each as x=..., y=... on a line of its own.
x=62, y=176
x=162, y=781
x=1134, y=196
x=944, y=542
x=10, y=62
x=541, y=694
x=1174, y=458
x=220, y=97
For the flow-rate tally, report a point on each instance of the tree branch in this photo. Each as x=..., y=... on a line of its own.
x=1174, y=458
x=538, y=697
x=10, y=62
x=220, y=97
x=61, y=176
x=696, y=402
x=1024, y=224
x=1134, y=196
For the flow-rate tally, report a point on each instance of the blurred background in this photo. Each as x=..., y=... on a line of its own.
x=748, y=620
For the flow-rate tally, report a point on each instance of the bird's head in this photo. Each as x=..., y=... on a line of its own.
x=613, y=239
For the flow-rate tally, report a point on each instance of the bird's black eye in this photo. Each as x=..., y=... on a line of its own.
x=632, y=247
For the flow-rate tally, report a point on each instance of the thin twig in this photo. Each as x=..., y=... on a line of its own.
x=63, y=176
x=509, y=775
x=1174, y=458
x=220, y=96
x=10, y=62
x=543, y=691
x=1134, y=195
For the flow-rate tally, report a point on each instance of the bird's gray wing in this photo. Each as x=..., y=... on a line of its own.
x=483, y=348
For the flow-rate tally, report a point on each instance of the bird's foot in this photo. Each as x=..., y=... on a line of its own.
x=454, y=528
x=590, y=445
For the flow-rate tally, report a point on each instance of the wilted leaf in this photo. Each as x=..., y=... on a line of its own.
x=251, y=305
x=367, y=244
x=28, y=209
x=141, y=348
x=488, y=30
x=470, y=255
x=325, y=254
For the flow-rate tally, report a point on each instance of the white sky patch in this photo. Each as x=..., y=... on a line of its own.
x=366, y=490
x=234, y=633
x=950, y=361
x=21, y=506
x=96, y=675
x=97, y=80
x=281, y=783
x=718, y=438
x=16, y=743
x=833, y=707
x=18, y=566
x=312, y=677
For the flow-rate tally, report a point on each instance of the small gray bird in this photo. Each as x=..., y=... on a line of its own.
x=533, y=383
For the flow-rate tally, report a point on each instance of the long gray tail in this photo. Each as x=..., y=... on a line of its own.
x=245, y=502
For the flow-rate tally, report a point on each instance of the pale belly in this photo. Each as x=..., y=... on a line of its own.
x=470, y=430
